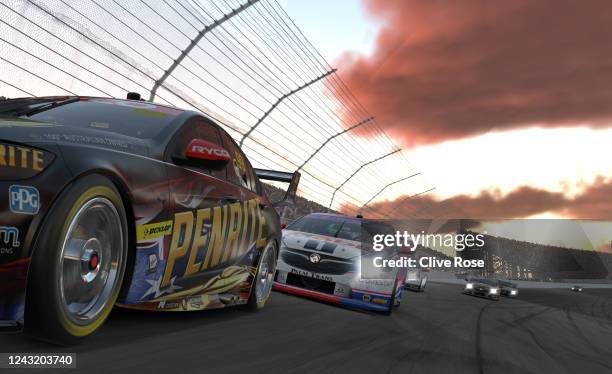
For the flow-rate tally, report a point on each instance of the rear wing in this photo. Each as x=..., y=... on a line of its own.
x=281, y=176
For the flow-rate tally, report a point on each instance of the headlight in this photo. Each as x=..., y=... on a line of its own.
x=469, y=286
x=493, y=290
x=513, y=292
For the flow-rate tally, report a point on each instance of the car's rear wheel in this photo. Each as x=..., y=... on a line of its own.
x=264, y=278
x=78, y=263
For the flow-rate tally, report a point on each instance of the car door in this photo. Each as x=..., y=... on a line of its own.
x=241, y=174
x=207, y=211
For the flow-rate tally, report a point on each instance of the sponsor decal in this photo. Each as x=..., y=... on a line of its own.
x=342, y=290
x=195, y=302
x=152, y=268
x=9, y=239
x=8, y=124
x=310, y=274
x=239, y=164
x=210, y=237
x=380, y=301
x=153, y=230
x=365, y=298
x=206, y=150
x=24, y=199
x=378, y=282
x=87, y=139
x=281, y=276
x=18, y=157
x=168, y=304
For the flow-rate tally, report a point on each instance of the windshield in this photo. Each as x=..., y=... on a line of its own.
x=136, y=119
x=341, y=227
x=490, y=282
x=335, y=226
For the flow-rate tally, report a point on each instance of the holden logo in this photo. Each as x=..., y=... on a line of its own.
x=315, y=258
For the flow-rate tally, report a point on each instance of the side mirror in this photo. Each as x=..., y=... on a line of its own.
x=205, y=154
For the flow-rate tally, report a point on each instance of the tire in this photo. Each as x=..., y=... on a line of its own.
x=423, y=284
x=264, y=278
x=392, y=301
x=78, y=263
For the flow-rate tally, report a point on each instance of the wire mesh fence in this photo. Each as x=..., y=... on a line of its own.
x=244, y=63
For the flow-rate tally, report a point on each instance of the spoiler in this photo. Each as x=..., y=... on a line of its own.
x=281, y=176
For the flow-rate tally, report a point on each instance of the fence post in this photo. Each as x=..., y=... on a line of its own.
x=408, y=198
x=357, y=171
x=194, y=42
x=280, y=99
x=387, y=186
x=332, y=137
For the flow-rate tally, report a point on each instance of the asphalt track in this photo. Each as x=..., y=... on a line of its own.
x=438, y=331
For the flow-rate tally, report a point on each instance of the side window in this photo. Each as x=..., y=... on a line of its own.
x=239, y=171
x=197, y=128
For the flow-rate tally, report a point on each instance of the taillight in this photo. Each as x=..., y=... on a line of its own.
x=22, y=162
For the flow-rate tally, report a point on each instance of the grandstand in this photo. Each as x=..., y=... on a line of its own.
x=521, y=260
x=292, y=212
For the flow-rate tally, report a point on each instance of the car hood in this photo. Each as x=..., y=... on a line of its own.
x=26, y=131
x=341, y=248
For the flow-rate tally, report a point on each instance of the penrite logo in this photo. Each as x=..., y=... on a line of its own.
x=210, y=237
x=21, y=157
x=24, y=199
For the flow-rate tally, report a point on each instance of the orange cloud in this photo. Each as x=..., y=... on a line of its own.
x=444, y=70
x=594, y=202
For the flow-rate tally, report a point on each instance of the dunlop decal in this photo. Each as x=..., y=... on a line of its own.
x=153, y=230
x=212, y=237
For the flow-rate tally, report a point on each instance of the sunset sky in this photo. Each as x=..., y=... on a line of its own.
x=505, y=106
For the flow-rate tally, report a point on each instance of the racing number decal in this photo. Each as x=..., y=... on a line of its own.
x=212, y=236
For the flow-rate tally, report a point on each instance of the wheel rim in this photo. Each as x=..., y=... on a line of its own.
x=265, y=274
x=91, y=260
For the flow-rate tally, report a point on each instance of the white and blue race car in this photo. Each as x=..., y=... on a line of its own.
x=320, y=258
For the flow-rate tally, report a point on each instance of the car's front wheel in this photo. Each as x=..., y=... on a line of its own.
x=78, y=263
x=396, y=295
x=264, y=278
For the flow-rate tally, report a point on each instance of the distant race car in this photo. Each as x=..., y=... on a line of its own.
x=108, y=201
x=508, y=289
x=576, y=288
x=416, y=280
x=320, y=258
x=483, y=287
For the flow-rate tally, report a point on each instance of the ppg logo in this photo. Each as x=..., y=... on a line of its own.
x=24, y=199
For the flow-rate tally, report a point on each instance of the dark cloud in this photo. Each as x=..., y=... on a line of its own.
x=593, y=202
x=451, y=69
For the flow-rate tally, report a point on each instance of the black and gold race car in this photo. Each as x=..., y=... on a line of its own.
x=108, y=201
